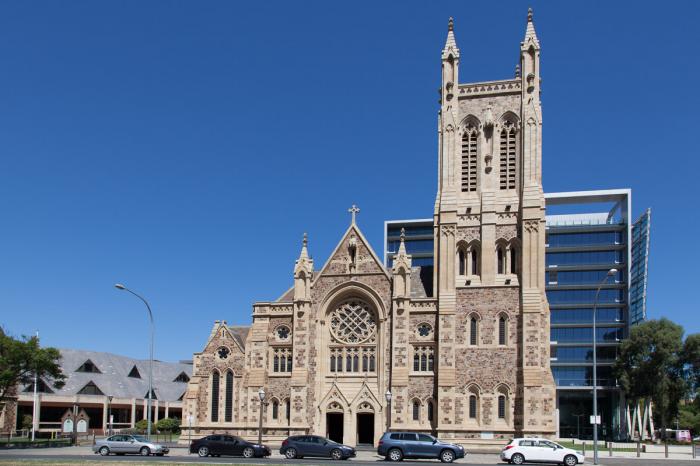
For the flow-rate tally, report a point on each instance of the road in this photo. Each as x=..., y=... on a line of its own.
x=65, y=456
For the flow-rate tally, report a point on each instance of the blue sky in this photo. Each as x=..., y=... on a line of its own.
x=182, y=148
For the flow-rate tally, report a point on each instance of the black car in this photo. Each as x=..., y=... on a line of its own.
x=299, y=446
x=217, y=445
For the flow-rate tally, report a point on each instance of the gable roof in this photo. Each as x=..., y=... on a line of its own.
x=353, y=228
x=114, y=380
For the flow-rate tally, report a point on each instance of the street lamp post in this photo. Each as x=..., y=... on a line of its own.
x=261, y=394
x=611, y=273
x=387, y=395
x=150, y=360
x=109, y=414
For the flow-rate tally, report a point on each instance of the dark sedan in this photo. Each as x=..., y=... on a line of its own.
x=299, y=446
x=217, y=445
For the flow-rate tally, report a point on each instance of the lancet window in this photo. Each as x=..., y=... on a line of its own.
x=469, y=158
x=508, y=155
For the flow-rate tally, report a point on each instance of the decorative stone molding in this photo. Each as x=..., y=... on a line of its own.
x=468, y=234
x=490, y=88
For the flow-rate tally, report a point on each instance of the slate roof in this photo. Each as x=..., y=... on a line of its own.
x=113, y=378
x=240, y=333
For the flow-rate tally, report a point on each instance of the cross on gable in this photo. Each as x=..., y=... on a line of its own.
x=353, y=211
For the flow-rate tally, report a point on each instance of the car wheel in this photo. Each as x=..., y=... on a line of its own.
x=336, y=454
x=203, y=451
x=104, y=451
x=447, y=456
x=517, y=459
x=145, y=451
x=395, y=454
x=290, y=453
x=248, y=452
x=570, y=460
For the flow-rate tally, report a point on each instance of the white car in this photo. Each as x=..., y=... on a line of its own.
x=520, y=450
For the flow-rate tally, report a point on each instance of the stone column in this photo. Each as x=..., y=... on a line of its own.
x=132, y=419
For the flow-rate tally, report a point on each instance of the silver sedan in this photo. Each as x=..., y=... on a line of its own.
x=122, y=444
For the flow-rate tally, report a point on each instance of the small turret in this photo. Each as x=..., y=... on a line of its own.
x=401, y=270
x=450, y=65
x=303, y=273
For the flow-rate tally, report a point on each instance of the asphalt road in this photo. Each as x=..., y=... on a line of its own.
x=473, y=459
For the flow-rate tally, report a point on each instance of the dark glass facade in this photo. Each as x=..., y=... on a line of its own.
x=638, y=271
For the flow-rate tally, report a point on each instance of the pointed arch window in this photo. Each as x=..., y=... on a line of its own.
x=472, y=406
x=282, y=360
x=508, y=155
x=215, y=397
x=473, y=331
x=500, y=260
x=469, y=158
x=462, y=261
x=288, y=410
x=513, y=259
x=275, y=410
x=502, y=330
x=431, y=408
x=228, y=407
x=423, y=359
x=416, y=410
x=474, y=259
x=501, y=406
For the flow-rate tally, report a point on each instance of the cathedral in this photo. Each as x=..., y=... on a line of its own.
x=354, y=348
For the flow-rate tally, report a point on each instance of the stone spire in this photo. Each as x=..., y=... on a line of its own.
x=304, y=251
x=402, y=245
x=450, y=43
x=530, y=34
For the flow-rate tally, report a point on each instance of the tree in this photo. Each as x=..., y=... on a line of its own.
x=27, y=422
x=654, y=363
x=21, y=359
x=142, y=425
x=168, y=425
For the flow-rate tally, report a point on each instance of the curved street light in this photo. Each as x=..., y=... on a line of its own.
x=611, y=273
x=119, y=286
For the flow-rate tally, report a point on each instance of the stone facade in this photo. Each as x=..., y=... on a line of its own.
x=470, y=362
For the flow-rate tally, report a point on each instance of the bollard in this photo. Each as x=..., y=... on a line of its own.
x=584, y=448
x=692, y=444
x=665, y=448
x=639, y=449
x=609, y=448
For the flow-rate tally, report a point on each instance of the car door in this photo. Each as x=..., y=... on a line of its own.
x=425, y=447
x=410, y=444
x=303, y=445
x=552, y=452
x=114, y=443
x=228, y=445
x=317, y=446
x=214, y=444
x=528, y=449
x=541, y=451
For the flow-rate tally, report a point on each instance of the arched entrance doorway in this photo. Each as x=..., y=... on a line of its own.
x=365, y=424
x=335, y=420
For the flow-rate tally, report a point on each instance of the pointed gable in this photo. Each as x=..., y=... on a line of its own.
x=88, y=367
x=134, y=372
x=353, y=255
x=90, y=389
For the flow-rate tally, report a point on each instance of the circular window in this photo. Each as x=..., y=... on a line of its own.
x=223, y=352
x=424, y=330
x=353, y=322
x=282, y=332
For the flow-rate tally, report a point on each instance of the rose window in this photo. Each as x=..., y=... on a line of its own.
x=223, y=352
x=353, y=322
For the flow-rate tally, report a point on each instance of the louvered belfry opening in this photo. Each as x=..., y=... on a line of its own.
x=508, y=156
x=469, y=158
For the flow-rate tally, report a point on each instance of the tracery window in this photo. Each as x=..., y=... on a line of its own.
x=469, y=158
x=282, y=333
x=501, y=406
x=472, y=406
x=423, y=359
x=353, y=329
x=424, y=330
x=508, y=156
x=282, y=360
x=353, y=322
x=223, y=352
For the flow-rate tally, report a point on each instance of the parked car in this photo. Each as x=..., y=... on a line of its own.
x=123, y=444
x=521, y=450
x=396, y=446
x=299, y=446
x=217, y=445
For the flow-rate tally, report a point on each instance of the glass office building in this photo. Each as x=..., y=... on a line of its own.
x=588, y=233
x=638, y=271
